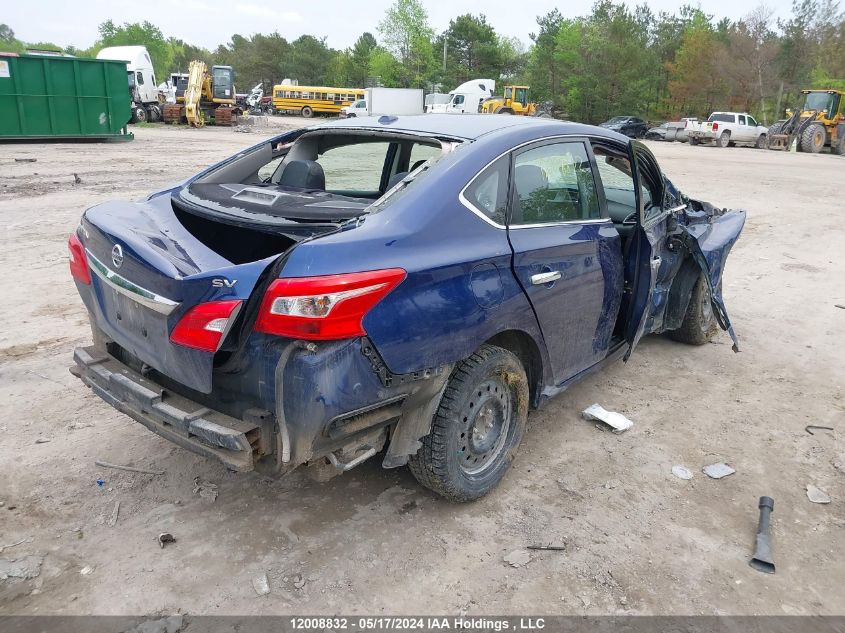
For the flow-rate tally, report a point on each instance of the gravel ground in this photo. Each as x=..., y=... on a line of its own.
x=637, y=539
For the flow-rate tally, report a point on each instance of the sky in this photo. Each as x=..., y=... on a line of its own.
x=211, y=22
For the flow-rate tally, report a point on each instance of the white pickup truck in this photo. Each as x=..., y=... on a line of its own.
x=727, y=128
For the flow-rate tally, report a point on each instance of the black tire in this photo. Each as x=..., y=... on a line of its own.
x=699, y=324
x=477, y=428
x=813, y=138
x=693, y=140
x=762, y=142
x=139, y=114
x=838, y=147
x=724, y=139
x=307, y=112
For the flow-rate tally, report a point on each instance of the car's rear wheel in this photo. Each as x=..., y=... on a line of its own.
x=724, y=139
x=307, y=112
x=699, y=324
x=693, y=140
x=477, y=428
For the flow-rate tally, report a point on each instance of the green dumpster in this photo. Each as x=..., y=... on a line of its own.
x=59, y=98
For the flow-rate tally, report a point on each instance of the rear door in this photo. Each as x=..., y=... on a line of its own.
x=566, y=252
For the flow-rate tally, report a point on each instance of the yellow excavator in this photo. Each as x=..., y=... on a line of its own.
x=514, y=101
x=209, y=97
x=819, y=122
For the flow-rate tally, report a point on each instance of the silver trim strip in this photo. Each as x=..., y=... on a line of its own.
x=121, y=284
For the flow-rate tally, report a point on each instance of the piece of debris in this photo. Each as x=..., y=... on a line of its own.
x=617, y=421
x=25, y=160
x=298, y=581
x=809, y=428
x=77, y=180
x=206, y=490
x=164, y=538
x=24, y=568
x=41, y=440
x=87, y=570
x=550, y=547
x=114, y=513
x=101, y=482
x=817, y=495
x=131, y=469
x=15, y=544
x=681, y=472
x=518, y=558
x=717, y=471
x=839, y=305
x=261, y=585
x=762, y=558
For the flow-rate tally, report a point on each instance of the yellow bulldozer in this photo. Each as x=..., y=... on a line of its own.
x=514, y=101
x=819, y=122
x=208, y=97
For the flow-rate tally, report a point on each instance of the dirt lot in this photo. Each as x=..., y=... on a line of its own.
x=638, y=539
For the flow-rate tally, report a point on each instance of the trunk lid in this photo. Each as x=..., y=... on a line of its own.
x=151, y=263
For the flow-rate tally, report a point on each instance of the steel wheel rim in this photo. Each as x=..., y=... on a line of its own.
x=706, y=305
x=485, y=423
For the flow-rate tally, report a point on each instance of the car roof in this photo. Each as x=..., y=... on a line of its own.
x=463, y=126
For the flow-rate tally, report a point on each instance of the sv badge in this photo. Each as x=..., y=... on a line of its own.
x=223, y=283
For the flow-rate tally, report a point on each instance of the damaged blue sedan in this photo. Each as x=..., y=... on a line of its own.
x=407, y=287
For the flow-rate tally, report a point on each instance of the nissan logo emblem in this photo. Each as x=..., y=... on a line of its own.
x=117, y=256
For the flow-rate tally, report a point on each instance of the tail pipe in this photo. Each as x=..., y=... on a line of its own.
x=762, y=559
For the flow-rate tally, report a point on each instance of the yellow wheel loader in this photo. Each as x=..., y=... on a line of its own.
x=819, y=122
x=209, y=98
x=515, y=101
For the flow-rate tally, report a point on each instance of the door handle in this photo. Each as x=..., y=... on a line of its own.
x=541, y=279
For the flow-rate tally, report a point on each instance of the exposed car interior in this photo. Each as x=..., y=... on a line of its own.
x=323, y=176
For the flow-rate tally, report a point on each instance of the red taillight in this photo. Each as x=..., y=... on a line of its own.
x=715, y=126
x=324, y=308
x=205, y=325
x=78, y=262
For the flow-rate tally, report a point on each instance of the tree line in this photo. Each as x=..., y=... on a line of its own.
x=615, y=60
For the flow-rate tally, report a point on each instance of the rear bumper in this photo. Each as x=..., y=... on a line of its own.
x=236, y=443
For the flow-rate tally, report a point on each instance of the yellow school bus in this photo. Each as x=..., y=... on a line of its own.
x=311, y=100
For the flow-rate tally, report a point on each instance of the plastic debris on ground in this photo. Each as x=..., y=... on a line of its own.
x=817, y=495
x=23, y=568
x=717, y=471
x=618, y=422
x=87, y=570
x=681, y=472
x=518, y=558
x=261, y=585
x=164, y=538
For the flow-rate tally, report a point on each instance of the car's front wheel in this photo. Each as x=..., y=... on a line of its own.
x=477, y=428
x=699, y=324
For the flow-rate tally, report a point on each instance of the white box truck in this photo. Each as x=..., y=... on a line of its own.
x=394, y=101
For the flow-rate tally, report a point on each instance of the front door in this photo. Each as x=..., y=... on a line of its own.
x=566, y=252
x=647, y=244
